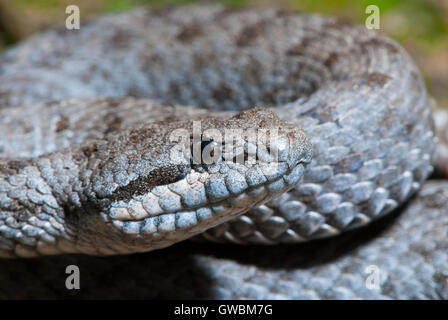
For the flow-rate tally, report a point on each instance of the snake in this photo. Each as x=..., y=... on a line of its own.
x=87, y=175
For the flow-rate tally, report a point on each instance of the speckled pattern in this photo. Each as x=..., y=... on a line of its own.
x=356, y=94
x=126, y=192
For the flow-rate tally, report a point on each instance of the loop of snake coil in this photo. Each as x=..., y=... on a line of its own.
x=356, y=93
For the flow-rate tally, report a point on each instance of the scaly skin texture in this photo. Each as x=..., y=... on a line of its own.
x=356, y=94
x=409, y=248
x=126, y=192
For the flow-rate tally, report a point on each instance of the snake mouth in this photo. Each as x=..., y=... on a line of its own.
x=192, y=218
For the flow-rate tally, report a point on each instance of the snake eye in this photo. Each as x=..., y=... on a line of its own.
x=206, y=152
x=205, y=143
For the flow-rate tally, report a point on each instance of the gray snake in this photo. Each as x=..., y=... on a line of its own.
x=84, y=118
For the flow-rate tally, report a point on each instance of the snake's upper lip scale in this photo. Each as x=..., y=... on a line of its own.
x=175, y=226
x=211, y=196
x=226, y=180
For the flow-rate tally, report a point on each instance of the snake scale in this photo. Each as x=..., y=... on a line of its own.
x=84, y=167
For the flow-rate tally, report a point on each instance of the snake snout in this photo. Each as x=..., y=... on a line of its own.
x=301, y=150
x=291, y=151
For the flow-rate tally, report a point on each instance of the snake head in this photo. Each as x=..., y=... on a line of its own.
x=166, y=182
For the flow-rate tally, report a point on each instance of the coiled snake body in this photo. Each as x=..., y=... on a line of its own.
x=84, y=121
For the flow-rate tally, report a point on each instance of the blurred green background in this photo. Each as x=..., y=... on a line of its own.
x=421, y=26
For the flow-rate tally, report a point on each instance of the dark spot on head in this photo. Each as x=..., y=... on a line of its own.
x=376, y=78
x=189, y=33
x=62, y=124
x=180, y=176
x=222, y=93
x=250, y=33
x=157, y=177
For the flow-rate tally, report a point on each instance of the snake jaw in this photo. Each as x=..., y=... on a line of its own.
x=209, y=195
